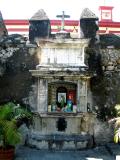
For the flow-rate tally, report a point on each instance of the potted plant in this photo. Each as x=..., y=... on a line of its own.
x=11, y=118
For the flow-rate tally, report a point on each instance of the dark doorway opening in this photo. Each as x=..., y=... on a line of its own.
x=61, y=124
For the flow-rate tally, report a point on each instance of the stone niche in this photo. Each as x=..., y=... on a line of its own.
x=63, y=92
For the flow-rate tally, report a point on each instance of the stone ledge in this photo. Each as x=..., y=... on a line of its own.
x=61, y=137
x=66, y=114
x=60, y=141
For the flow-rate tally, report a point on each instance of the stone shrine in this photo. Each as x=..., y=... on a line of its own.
x=63, y=115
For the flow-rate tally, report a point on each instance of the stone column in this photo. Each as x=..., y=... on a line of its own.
x=89, y=95
x=78, y=96
x=42, y=96
x=82, y=96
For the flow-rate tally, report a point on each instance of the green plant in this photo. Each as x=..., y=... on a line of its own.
x=117, y=124
x=12, y=116
x=117, y=131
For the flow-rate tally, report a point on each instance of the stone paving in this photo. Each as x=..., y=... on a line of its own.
x=108, y=152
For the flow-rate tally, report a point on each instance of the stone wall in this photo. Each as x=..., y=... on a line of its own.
x=103, y=132
x=16, y=82
x=106, y=90
x=106, y=94
x=110, y=59
x=104, y=59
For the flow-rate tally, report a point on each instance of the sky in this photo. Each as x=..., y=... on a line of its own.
x=25, y=9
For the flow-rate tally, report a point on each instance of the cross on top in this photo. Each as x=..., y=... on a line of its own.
x=63, y=16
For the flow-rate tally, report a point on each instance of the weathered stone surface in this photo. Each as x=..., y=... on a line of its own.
x=59, y=141
x=110, y=40
x=88, y=14
x=103, y=132
x=114, y=149
x=69, y=145
x=106, y=94
x=60, y=137
x=42, y=96
x=89, y=27
x=42, y=145
x=82, y=90
x=94, y=61
x=9, y=45
x=39, y=26
x=13, y=40
x=3, y=30
x=75, y=136
x=15, y=62
x=24, y=132
x=87, y=123
x=47, y=124
x=110, y=59
x=81, y=145
x=88, y=24
x=31, y=99
x=62, y=35
x=40, y=15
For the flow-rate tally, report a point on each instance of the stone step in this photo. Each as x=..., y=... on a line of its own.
x=60, y=141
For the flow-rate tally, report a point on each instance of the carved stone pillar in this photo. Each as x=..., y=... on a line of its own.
x=82, y=96
x=42, y=96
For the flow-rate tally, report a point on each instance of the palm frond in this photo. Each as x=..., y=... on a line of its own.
x=12, y=134
x=117, y=123
x=116, y=138
x=10, y=115
x=6, y=111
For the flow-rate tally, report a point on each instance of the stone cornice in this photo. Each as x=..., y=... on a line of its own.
x=62, y=43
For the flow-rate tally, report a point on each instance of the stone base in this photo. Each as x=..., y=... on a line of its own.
x=59, y=142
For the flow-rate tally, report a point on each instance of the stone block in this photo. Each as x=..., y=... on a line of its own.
x=53, y=146
x=81, y=145
x=32, y=143
x=69, y=145
x=43, y=145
